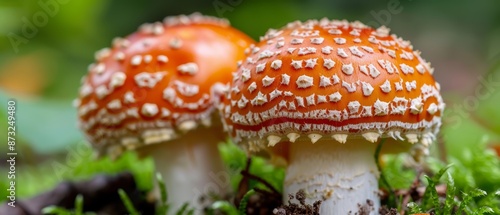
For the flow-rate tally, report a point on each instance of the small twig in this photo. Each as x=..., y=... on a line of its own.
x=265, y=183
x=249, y=163
x=244, y=184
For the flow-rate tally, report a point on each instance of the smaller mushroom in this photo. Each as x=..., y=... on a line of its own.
x=156, y=90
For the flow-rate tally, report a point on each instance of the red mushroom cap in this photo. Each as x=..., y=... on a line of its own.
x=165, y=78
x=332, y=78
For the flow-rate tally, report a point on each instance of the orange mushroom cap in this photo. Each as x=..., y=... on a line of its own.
x=164, y=78
x=336, y=78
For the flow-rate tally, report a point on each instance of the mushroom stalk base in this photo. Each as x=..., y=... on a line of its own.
x=191, y=168
x=343, y=176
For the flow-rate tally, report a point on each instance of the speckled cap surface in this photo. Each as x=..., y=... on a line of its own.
x=332, y=79
x=159, y=82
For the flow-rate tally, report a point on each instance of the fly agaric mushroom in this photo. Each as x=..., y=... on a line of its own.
x=156, y=85
x=321, y=94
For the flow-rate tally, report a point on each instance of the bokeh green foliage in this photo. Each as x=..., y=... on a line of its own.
x=64, y=47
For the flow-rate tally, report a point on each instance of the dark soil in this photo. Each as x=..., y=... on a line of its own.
x=100, y=195
x=301, y=208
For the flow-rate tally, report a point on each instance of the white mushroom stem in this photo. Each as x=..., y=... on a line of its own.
x=343, y=176
x=191, y=168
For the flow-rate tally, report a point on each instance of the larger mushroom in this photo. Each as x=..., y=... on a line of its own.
x=321, y=94
x=156, y=91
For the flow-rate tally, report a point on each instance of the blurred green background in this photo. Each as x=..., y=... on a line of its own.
x=42, y=69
